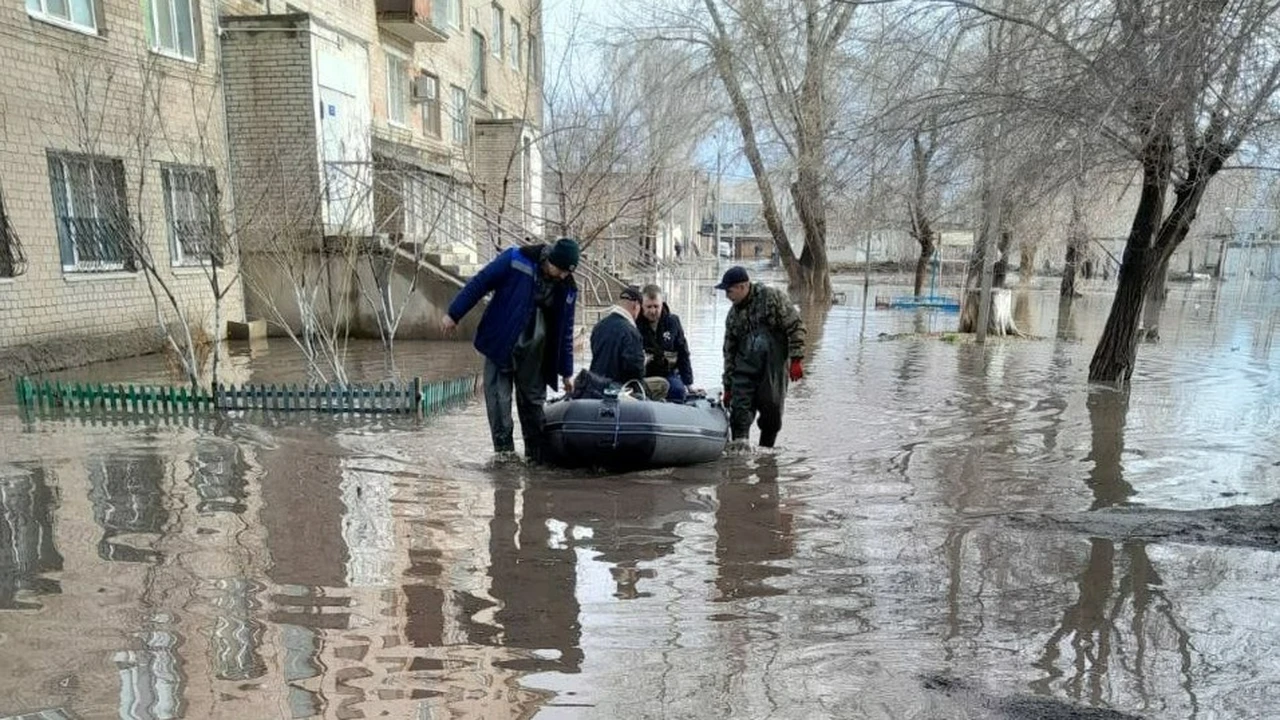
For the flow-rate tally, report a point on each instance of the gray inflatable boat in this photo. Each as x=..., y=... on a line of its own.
x=622, y=433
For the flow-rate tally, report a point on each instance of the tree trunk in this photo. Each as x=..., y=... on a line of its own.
x=1000, y=268
x=922, y=152
x=999, y=319
x=1027, y=267
x=1117, y=350
x=1068, y=287
x=922, y=264
x=1153, y=304
x=811, y=270
x=1077, y=236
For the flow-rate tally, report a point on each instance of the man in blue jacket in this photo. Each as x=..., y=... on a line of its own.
x=525, y=335
x=665, y=347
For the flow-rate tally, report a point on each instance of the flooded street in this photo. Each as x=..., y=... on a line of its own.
x=946, y=531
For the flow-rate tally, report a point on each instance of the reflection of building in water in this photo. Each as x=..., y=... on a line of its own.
x=155, y=534
x=375, y=603
x=236, y=636
x=366, y=528
x=27, y=549
x=218, y=475
x=127, y=500
x=151, y=677
x=215, y=594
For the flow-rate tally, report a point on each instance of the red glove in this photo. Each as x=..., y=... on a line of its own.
x=724, y=399
x=797, y=371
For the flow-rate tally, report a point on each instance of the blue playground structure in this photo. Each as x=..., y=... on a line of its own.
x=932, y=300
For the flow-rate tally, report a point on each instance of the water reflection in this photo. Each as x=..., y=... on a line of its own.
x=532, y=568
x=754, y=534
x=218, y=474
x=127, y=501
x=27, y=548
x=151, y=681
x=237, y=635
x=1108, y=410
x=321, y=568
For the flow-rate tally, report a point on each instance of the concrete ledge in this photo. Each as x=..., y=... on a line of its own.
x=77, y=350
x=251, y=330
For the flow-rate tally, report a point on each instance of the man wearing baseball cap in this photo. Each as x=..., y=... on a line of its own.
x=763, y=349
x=525, y=335
x=617, y=348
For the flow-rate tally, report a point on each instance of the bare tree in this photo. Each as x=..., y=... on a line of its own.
x=776, y=62
x=621, y=128
x=916, y=119
x=1178, y=87
x=305, y=257
x=107, y=218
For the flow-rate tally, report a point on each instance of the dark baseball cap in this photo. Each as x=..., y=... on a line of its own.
x=733, y=276
x=631, y=292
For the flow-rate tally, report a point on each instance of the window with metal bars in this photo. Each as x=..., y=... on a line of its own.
x=95, y=233
x=191, y=211
x=13, y=262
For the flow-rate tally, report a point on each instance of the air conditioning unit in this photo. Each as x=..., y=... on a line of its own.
x=422, y=89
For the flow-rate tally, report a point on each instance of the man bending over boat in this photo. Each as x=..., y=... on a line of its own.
x=525, y=335
x=763, y=349
x=617, y=349
x=665, y=347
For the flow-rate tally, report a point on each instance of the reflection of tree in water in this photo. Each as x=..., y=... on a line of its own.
x=127, y=499
x=1108, y=410
x=909, y=370
x=1050, y=408
x=1066, y=326
x=1093, y=628
x=27, y=550
x=1022, y=310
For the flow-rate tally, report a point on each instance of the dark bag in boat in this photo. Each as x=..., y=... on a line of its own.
x=591, y=386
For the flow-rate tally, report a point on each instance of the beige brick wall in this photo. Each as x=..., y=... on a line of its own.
x=499, y=174
x=512, y=93
x=271, y=110
x=71, y=91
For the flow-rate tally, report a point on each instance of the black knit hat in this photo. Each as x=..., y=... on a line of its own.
x=564, y=254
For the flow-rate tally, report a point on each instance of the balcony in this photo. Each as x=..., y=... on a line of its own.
x=413, y=19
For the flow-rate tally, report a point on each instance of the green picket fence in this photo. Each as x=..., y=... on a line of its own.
x=401, y=398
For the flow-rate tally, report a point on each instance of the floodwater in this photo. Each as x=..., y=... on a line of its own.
x=922, y=545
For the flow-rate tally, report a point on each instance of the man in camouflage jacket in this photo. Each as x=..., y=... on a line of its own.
x=763, y=349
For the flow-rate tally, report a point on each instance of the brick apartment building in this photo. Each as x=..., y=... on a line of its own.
x=404, y=125
x=111, y=159
x=166, y=126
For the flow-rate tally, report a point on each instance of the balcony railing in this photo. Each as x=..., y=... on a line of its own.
x=413, y=20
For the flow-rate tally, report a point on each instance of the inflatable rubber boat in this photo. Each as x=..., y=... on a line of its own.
x=625, y=433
